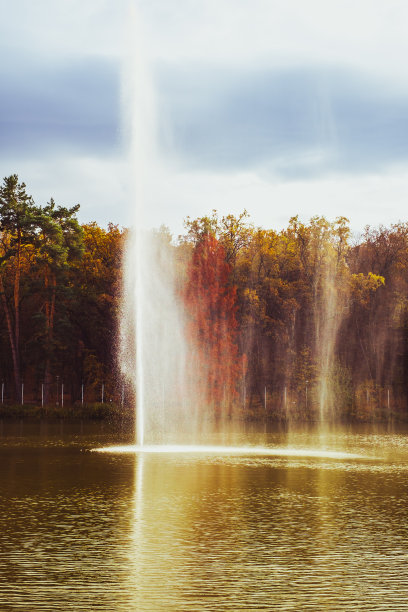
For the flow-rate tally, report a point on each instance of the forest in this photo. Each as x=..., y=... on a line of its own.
x=306, y=322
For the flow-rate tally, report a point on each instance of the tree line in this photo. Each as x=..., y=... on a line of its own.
x=317, y=319
x=59, y=289
x=307, y=322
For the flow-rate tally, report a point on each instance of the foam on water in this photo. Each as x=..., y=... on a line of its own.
x=230, y=450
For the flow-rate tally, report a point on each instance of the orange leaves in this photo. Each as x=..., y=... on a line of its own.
x=211, y=307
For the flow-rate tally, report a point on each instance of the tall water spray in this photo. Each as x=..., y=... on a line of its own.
x=331, y=284
x=152, y=346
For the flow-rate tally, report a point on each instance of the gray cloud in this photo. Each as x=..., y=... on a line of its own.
x=59, y=107
x=297, y=122
x=293, y=123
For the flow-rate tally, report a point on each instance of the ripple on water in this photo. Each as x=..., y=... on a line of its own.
x=186, y=532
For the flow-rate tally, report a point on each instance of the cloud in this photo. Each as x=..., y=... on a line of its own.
x=294, y=123
x=280, y=106
x=51, y=30
x=69, y=106
x=365, y=198
x=369, y=35
x=99, y=185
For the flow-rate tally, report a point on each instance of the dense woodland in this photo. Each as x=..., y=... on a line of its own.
x=319, y=317
x=302, y=323
x=59, y=285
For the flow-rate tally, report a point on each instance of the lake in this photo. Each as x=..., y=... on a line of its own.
x=83, y=530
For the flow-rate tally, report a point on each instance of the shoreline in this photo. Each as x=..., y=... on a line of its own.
x=110, y=412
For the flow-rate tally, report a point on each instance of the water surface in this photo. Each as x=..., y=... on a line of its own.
x=202, y=531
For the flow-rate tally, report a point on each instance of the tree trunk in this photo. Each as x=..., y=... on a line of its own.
x=13, y=342
x=49, y=315
x=17, y=293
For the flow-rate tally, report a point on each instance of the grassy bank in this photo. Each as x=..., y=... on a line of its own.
x=93, y=411
x=109, y=411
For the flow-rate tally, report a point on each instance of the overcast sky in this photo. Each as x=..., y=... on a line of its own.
x=280, y=107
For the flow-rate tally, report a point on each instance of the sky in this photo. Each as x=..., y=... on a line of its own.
x=281, y=107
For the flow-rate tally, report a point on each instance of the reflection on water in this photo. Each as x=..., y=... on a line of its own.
x=178, y=531
x=245, y=451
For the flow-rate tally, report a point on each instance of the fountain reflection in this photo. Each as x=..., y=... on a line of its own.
x=230, y=450
x=221, y=528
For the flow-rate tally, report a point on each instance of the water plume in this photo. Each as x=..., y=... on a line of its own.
x=330, y=304
x=152, y=345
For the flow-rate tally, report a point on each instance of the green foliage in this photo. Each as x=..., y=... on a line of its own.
x=304, y=312
x=59, y=286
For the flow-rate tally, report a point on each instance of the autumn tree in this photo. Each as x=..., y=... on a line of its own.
x=59, y=244
x=379, y=317
x=18, y=231
x=211, y=307
x=96, y=281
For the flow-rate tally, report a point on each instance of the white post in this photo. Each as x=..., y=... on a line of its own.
x=22, y=393
x=285, y=397
x=62, y=394
x=243, y=382
x=388, y=399
x=103, y=389
x=122, y=399
x=82, y=394
x=42, y=394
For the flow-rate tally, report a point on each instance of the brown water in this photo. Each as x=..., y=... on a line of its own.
x=179, y=531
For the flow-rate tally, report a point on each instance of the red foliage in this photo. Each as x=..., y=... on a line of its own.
x=211, y=307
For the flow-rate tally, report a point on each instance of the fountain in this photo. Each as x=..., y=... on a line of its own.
x=152, y=347
x=154, y=351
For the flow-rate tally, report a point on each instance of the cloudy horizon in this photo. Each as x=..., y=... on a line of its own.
x=274, y=107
